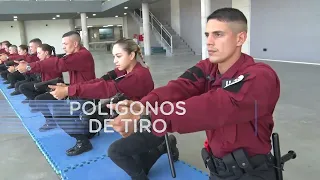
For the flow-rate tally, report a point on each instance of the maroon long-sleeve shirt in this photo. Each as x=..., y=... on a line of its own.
x=135, y=85
x=80, y=66
x=235, y=109
x=46, y=76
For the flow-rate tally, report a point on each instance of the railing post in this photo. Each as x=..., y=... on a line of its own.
x=161, y=32
x=171, y=45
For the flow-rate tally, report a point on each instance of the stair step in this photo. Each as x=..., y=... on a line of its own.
x=183, y=53
x=181, y=50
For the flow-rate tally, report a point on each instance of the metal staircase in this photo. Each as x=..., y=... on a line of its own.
x=165, y=35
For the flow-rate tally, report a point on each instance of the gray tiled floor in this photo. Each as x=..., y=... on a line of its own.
x=296, y=118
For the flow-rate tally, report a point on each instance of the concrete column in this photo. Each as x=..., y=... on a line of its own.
x=72, y=24
x=85, y=38
x=146, y=29
x=175, y=16
x=205, y=12
x=245, y=7
x=125, y=27
x=22, y=31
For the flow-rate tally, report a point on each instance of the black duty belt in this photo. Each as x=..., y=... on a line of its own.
x=236, y=163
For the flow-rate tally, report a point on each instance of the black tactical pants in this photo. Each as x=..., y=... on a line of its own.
x=136, y=154
x=15, y=77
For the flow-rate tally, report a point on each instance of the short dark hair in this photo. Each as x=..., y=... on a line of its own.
x=70, y=33
x=6, y=43
x=14, y=46
x=36, y=40
x=74, y=35
x=229, y=15
x=23, y=47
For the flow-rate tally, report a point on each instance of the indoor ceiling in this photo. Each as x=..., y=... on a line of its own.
x=115, y=11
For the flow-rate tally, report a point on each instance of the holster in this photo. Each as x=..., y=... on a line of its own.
x=207, y=159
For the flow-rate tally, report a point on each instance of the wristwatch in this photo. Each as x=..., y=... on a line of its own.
x=28, y=68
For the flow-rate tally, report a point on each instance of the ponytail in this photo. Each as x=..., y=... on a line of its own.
x=141, y=59
x=53, y=50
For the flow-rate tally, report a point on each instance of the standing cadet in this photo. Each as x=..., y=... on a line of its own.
x=132, y=78
x=79, y=62
x=229, y=96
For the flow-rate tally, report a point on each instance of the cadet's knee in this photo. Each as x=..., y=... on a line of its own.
x=114, y=149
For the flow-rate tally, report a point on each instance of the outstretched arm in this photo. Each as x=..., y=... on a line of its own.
x=252, y=98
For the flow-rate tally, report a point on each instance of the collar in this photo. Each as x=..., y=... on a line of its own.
x=243, y=62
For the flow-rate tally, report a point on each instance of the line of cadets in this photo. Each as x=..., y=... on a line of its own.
x=131, y=77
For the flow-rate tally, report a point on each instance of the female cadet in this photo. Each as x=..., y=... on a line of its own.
x=44, y=52
x=130, y=77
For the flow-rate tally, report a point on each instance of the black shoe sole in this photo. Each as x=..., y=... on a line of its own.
x=87, y=149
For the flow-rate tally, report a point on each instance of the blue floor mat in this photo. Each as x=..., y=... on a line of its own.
x=105, y=169
x=93, y=165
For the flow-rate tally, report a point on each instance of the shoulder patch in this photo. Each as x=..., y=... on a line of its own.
x=235, y=84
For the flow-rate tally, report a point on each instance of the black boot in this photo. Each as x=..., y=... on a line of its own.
x=15, y=93
x=48, y=126
x=83, y=145
x=25, y=101
x=10, y=86
x=173, y=146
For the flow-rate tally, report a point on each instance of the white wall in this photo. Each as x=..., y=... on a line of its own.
x=49, y=31
x=9, y=30
x=245, y=7
x=101, y=21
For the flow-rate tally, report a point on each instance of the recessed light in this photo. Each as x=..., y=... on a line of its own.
x=119, y=25
x=87, y=17
x=15, y=17
x=89, y=26
x=53, y=18
x=125, y=7
x=125, y=13
x=93, y=14
x=58, y=15
x=116, y=16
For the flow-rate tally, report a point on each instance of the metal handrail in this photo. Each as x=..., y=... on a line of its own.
x=163, y=30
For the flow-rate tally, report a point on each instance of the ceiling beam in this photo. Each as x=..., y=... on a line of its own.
x=36, y=7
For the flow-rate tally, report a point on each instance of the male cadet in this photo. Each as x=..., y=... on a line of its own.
x=229, y=96
x=32, y=57
x=79, y=62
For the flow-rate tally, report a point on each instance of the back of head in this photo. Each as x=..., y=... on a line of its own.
x=129, y=45
x=47, y=48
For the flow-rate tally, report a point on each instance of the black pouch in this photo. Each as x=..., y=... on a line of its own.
x=208, y=161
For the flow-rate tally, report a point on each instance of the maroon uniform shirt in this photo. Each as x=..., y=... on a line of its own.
x=235, y=109
x=46, y=76
x=80, y=66
x=134, y=85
